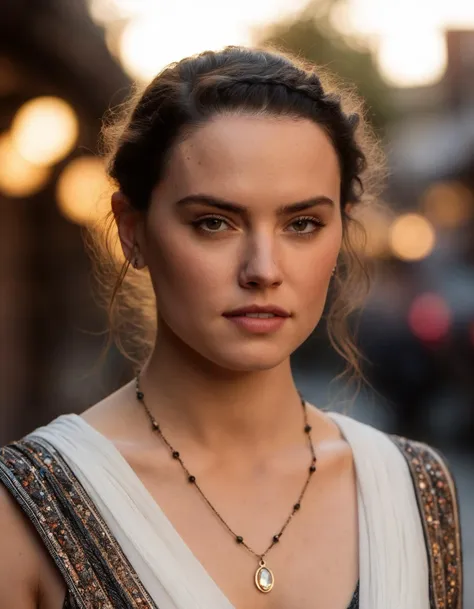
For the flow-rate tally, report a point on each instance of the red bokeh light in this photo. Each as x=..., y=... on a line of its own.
x=429, y=317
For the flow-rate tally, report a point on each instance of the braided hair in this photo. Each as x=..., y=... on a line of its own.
x=239, y=79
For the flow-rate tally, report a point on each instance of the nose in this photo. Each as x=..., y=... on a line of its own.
x=259, y=268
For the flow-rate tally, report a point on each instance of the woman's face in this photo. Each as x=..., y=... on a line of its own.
x=207, y=259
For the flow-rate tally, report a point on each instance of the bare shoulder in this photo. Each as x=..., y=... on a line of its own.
x=20, y=557
x=115, y=415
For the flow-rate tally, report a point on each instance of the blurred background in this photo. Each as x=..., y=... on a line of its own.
x=63, y=64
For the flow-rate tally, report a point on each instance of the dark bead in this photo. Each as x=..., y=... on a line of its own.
x=312, y=469
x=239, y=539
x=192, y=479
x=296, y=506
x=276, y=538
x=175, y=454
x=140, y=395
x=308, y=428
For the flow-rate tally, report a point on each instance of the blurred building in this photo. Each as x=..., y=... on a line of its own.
x=419, y=324
x=50, y=52
x=434, y=137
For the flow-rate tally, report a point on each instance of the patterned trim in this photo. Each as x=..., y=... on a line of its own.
x=97, y=573
x=437, y=499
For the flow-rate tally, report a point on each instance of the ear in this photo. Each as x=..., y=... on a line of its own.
x=128, y=222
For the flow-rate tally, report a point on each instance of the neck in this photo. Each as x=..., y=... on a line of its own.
x=219, y=410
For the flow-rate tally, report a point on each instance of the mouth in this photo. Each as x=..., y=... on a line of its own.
x=255, y=311
x=255, y=315
x=258, y=321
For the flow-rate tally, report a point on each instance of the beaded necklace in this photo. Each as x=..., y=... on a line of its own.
x=264, y=577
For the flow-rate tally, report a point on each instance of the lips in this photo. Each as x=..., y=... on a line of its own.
x=255, y=309
x=265, y=322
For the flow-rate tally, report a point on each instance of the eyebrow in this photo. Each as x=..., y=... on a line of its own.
x=237, y=208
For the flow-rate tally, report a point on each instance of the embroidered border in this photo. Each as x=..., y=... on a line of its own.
x=97, y=573
x=437, y=499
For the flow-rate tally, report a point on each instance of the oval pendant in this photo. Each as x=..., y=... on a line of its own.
x=264, y=578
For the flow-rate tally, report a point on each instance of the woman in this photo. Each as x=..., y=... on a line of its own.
x=209, y=482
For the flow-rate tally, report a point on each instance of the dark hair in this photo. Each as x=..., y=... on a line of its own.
x=185, y=95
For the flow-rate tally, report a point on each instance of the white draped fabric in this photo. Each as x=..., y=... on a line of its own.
x=392, y=551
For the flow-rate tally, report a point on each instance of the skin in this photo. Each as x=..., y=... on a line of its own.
x=226, y=398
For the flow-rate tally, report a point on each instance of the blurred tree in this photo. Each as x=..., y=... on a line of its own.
x=314, y=35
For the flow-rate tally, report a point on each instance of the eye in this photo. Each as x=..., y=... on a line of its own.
x=213, y=224
x=304, y=222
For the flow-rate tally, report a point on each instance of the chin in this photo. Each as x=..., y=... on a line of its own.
x=256, y=365
x=252, y=353
x=250, y=358
x=244, y=354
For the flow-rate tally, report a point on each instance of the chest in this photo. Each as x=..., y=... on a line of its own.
x=315, y=563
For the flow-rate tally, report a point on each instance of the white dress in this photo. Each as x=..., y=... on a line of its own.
x=398, y=568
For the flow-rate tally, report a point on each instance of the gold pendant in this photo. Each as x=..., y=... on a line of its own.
x=264, y=578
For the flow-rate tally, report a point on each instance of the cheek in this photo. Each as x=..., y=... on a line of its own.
x=311, y=276
x=312, y=286
x=183, y=272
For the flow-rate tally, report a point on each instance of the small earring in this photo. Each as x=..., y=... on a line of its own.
x=333, y=271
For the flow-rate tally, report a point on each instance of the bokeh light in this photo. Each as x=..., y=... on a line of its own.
x=144, y=50
x=429, y=317
x=407, y=36
x=19, y=177
x=411, y=50
x=83, y=190
x=417, y=57
x=448, y=204
x=148, y=44
x=412, y=237
x=44, y=130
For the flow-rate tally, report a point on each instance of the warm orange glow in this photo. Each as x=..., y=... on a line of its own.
x=406, y=36
x=18, y=177
x=44, y=130
x=83, y=190
x=412, y=237
x=148, y=45
x=157, y=34
x=448, y=204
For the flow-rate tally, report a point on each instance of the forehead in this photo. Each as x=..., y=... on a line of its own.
x=256, y=157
